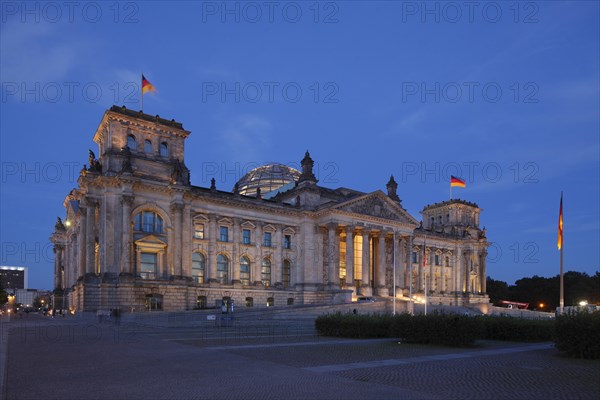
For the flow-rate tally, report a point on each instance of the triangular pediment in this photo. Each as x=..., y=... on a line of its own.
x=151, y=241
x=377, y=205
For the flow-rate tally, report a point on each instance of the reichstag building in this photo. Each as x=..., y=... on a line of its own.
x=137, y=235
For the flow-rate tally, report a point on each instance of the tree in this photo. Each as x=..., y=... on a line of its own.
x=497, y=290
x=3, y=295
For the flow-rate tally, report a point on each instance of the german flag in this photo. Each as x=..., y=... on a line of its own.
x=147, y=86
x=560, y=226
x=457, y=182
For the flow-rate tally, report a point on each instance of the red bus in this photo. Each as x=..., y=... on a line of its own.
x=513, y=304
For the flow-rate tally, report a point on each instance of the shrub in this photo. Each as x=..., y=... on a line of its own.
x=517, y=329
x=354, y=326
x=444, y=329
x=577, y=334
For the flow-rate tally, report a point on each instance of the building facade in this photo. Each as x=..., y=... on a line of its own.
x=13, y=277
x=137, y=235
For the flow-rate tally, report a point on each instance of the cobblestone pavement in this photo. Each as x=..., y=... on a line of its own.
x=270, y=359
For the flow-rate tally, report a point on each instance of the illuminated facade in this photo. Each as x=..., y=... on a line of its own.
x=137, y=235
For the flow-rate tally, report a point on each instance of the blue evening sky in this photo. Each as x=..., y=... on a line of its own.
x=502, y=94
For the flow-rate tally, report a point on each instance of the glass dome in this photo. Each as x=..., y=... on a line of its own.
x=268, y=178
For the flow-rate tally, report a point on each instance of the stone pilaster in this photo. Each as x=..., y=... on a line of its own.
x=176, y=240
x=350, y=257
x=126, y=241
x=236, y=237
x=382, y=290
x=90, y=239
x=212, y=248
x=276, y=275
x=366, y=267
x=333, y=266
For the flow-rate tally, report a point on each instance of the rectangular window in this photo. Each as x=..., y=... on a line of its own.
x=224, y=236
x=437, y=259
x=357, y=259
x=267, y=239
x=199, y=231
x=287, y=242
x=246, y=236
x=414, y=257
x=148, y=265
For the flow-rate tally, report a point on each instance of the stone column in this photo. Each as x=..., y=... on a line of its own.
x=366, y=267
x=235, y=262
x=431, y=268
x=382, y=290
x=186, y=241
x=57, y=267
x=443, y=272
x=350, y=257
x=333, y=267
x=256, y=267
x=482, y=271
x=399, y=245
x=81, y=244
x=126, y=240
x=212, y=248
x=276, y=276
x=176, y=240
x=409, y=263
x=90, y=239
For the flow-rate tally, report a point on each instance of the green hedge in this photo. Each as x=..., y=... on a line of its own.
x=578, y=334
x=517, y=329
x=451, y=330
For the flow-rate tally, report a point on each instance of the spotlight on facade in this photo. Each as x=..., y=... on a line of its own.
x=68, y=223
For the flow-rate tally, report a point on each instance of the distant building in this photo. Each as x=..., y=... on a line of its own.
x=138, y=235
x=13, y=277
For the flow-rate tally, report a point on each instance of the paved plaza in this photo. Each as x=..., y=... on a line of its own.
x=266, y=356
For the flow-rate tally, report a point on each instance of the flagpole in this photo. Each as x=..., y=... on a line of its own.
x=410, y=272
x=142, y=95
x=425, y=272
x=562, y=245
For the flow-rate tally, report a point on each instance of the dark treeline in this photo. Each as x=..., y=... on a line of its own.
x=538, y=290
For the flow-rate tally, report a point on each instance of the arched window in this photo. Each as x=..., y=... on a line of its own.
x=266, y=272
x=131, y=143
x=148, y=221
x=287, y=269
x=198, y=267
x=147, y=146
x=245, y=270
x=222, y=269
x=164, y=150
x=249, y=302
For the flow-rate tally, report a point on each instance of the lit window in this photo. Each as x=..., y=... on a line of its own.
x=270, y=302
x=245, y=271
x=147, y=146
x=266, y=272
x=148, y=265
x=249, y=302
x=198, y=267
x=164, y=150
x=222, y=269
x=287, y=242
x=131, y=143
x=148, y=221
x=286, y=273
x=267, y=239
x=246, y=236
x=199, y=231
x=224, y=236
